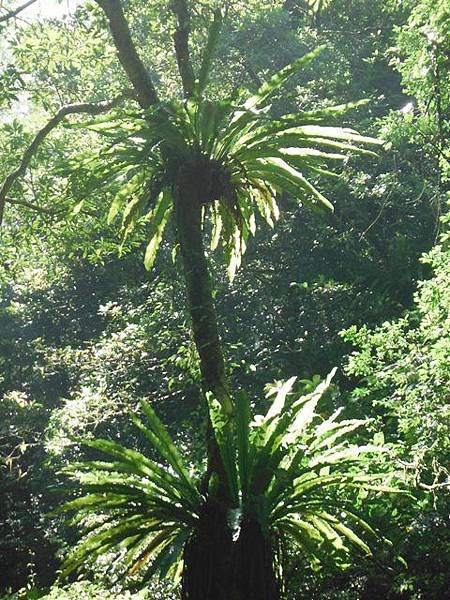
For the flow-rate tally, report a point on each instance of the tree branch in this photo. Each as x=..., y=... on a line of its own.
x=127, y=53
x=69, y=109
x=35, y=207
x=435, y=486
x=181, y=41
x=13, y=13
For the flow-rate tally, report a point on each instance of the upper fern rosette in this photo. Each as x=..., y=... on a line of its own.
x=236, y=154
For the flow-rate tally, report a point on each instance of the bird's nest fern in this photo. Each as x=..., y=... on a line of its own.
x=237, y=155
x=289, y=470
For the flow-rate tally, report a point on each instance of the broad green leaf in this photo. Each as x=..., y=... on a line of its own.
x=159, y=218
x=277, y=80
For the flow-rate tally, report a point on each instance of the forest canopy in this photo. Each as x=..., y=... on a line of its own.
x=224, y=299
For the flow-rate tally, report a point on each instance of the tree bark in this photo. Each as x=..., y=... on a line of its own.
x=253, y=569
x=127, y=53
x=181, y=42
x=216, y=567
x=188, y=216
x=208, y=560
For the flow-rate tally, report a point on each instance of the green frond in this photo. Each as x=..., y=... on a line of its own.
x=131, y=506
x=162, y=441
x=256, y=155
x=336, y=133
x=209, y=51
x=294, y=466
x=226, y=442
x=245, y=451
x=280, y=78
x=126, y=192
x=158, y=220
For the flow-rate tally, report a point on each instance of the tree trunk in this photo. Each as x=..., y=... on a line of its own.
x=188, y=211
x=207, y=555
x=216, y=568
x=254, y=577
x=208, y=572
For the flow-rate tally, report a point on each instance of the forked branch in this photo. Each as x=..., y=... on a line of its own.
x=70, y=109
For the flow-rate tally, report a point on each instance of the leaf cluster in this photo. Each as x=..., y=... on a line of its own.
x=287, y=470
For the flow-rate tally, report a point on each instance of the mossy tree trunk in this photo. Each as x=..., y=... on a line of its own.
x=188, y=216
x=208, y=554
x=216, y=567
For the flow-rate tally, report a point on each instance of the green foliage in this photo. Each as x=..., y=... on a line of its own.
x=81, y=345
x=288, y=470
x=238, y=156
x=421, y=55
x=84, y=590
x=291, y=468
x=406, y=363
x=143, y=512
x=79, y=348
x=209, y=52
x=403, y=374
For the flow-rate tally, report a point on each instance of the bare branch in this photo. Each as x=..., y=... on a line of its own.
x=70, y=109
x=181, y=41
x=35, y=207
x=13, y=13
x=127, y=53
x=435, y=486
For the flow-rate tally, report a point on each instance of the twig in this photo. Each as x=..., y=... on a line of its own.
x=13, y=13
x=369, y=227
x=435, y=486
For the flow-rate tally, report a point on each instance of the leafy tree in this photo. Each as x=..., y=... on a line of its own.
x=404, y=363
x=411, y=353
x=228, y=156
x=422, y=59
